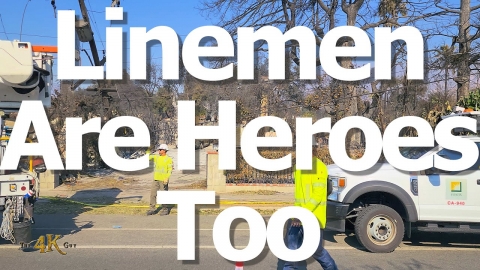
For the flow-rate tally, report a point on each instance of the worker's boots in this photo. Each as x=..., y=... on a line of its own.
x=164, y=212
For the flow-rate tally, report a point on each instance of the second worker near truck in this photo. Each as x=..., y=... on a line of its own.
x=311, y=191
x=163, y=166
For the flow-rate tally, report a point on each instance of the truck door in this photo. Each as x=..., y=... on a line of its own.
x=450, y=196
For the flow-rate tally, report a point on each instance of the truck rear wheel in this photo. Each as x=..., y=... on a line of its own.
x=379, y=229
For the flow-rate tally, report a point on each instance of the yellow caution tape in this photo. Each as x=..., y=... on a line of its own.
x=94, y=205
x=225, y=202
x=256, y=203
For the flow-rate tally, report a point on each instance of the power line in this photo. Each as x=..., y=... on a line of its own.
x=3, y=25
x=128, y=48
x=94, y=11
x=28, y=35
x=21, y=25
x=95, y=23
x=44, y=36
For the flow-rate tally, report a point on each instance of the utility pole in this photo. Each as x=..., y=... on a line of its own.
x=85, y=34
x=85, y=28
x=93, y=46
x=115, y=3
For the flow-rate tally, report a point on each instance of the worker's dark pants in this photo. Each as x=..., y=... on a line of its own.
x=28, y=210
x=156, y=186
x=294, y=240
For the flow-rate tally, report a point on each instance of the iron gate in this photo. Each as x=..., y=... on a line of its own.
x=246, y=174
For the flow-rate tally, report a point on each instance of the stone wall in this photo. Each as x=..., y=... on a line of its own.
x=49, y=180
x=216, y=179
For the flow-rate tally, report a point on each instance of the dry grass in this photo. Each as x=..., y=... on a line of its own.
x=76, y=210
x=102, y=183
x=61, y=206
x=202, y=184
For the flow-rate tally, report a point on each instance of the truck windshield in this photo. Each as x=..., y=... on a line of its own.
x=414, y=152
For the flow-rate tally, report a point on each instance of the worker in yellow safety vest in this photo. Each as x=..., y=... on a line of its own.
x=310, y=193
x=162, y=171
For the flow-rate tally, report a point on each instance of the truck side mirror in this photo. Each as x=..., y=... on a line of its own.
x=39, y=165
x=40, y=168
x=329, y=187
x=432, y=171
x=429, y=171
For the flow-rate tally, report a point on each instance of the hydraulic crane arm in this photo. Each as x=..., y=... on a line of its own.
x=25, y=73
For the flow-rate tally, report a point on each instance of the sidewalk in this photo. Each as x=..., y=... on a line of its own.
x=142, y=197
x=134, y=187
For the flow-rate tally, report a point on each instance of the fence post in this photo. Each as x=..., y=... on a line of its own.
x=216, y=179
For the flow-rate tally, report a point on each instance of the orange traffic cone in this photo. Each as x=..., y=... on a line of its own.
x=239, y=266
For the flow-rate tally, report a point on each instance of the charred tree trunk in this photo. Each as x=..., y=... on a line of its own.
x=463, y=70
x=351, y=104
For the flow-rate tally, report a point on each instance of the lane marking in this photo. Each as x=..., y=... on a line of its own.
x=400, y=249
x=337, y=238
x=124, y=229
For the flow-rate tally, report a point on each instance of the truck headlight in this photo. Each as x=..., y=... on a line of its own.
x=338, y=185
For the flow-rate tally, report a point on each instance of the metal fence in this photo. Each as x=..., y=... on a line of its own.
x=256, y=177
x=246, y=174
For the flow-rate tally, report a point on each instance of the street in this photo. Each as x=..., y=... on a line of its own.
x=141, y=242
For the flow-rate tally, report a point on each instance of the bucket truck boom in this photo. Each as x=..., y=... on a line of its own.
x=26, y=73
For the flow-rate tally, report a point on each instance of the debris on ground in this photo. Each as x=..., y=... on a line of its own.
x=102, y=183
x=202, y=184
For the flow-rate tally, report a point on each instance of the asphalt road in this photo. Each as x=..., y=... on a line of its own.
x=140, y=242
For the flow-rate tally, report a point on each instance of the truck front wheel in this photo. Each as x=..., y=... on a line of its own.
x=379, y=229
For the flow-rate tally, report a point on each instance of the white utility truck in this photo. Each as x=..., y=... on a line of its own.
x=383, y=204
x=25, y=74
